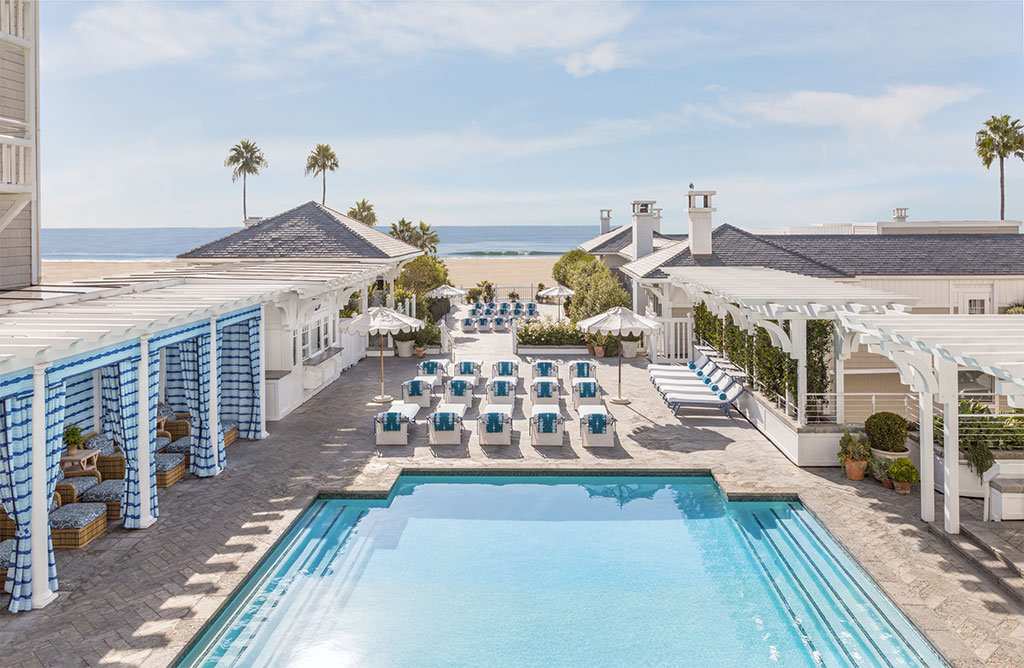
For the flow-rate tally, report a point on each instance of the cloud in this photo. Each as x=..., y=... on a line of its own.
x=602, y=58
x=899, y=108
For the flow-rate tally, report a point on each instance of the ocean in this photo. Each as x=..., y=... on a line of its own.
x=164, y=243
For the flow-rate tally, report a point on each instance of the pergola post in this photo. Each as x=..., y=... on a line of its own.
x=927, y=443
x=840, y=381
x=798, y=335
x=145, y=454
x=946, y=374
x=39, y=522
x=262, y=393
x=213, y=408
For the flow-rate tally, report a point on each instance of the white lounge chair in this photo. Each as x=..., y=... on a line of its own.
x=547, y=425
x=544, y=391
x=468, y=368
x=483, y=324
x=505, y=369
x=597, y=427
x=391, y=427
x=500, y=323
x=494, y=426
x=469, y=324
x=1003, y=485
x=582, y=370
x=501, y=391
x=585, y=391
x=544, y=369
x=705, y=397
x=417, y=391
x=433, y=368
x=444, y=425
x=693, y=364
x=459, y=390
x=719, y=379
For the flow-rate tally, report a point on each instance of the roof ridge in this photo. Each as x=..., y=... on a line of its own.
x=360, y=228
x=244, y=227
x=781, y=248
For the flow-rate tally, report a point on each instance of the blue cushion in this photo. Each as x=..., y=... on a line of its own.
x=467, y=321
x=501, y=388
x=723, y=396
x=458, y=388
x=165, y=410
x=544, y=389
x=706, y=380
x=547, y=423
x=161, y=442
x=588, y=390
x=103, y=443
x=166, y=461
x=53, y=503
x=597, y=423
x=183, y=445
x=391, y=421
x=108, y=490
x=715, y=387
x=81, y=483
x=583, y=369
x=415, y=388
x=467, y=369
x=506, y=368
x=429, y=367
x=495, y=422
x=545, y=368
x=76, y=515
x=6, y=553
x=692, y=365
x=443, y=421
x=228, y=425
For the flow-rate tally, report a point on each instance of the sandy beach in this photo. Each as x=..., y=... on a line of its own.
x=466, y=272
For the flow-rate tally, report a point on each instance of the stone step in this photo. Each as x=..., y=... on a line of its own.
x=1008, y=581
x=985, y=536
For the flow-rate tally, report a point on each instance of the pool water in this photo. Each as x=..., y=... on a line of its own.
x=555, y=571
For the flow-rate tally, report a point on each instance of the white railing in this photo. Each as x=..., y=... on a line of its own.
x=15, y=161
x=447, y=341
x=14, y=18
x=514, y=328
x=676, y=339
x=996, y=430
x=857, y=406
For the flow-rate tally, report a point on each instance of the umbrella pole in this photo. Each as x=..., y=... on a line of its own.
x=619, y=399
x=381, y=398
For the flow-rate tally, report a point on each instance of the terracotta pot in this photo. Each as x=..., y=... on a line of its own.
x=599, y=351
x=902, y=487
x=590, y=348
x=421, y=352
x=887, y=483
x=72, y=448
x=855, y=469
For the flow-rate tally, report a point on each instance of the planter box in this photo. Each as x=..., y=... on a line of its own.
x=552, y=350
x=814, y=445
x=970, y=482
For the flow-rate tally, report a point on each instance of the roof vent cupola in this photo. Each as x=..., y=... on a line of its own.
x=899, y=214
x=646, y=221
x=606, y=221
x=700, y=211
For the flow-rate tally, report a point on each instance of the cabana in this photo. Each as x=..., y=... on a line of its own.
x=102, y=353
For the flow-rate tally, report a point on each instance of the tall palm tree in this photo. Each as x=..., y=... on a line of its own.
x=1002, y=137
x=403, y=231
x=246, y=158
x=426, y=238
x=363, y=212
x=320, y=161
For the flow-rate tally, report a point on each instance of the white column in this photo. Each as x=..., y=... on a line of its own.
x=146, y=518
x=39, y=520
x=162, y=393
x=97, y=402
x=840, y=390
x=798, y=335
x=213, y=409
x=927, y=438
x=263, y=374
x=364, y=299
x=945, y=372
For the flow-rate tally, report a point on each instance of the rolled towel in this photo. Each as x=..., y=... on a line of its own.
x=692, y=365
x=723, y=396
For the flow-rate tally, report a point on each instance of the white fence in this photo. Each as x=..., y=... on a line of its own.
x=676, y=340
x=15, y=161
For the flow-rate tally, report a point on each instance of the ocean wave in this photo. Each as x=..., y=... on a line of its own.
x=506, y=253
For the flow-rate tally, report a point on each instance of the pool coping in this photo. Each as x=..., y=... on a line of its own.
x=951, y=645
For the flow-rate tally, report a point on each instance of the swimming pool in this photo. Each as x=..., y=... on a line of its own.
x=556, y=571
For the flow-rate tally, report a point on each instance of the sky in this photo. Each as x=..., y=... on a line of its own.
x=541, y=114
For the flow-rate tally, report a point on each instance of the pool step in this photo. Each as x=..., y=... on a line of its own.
x=986, y=561
x=985, y=536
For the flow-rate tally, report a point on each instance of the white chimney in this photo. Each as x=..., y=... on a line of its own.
x=899, y=215
x=646, y=221
x=700, y=211
x=606, y=221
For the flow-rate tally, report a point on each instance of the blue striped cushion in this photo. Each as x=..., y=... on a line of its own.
x=587, y=390
x=429, y=367
x=391, y=421
x=467, y=368
x=506, y=368
x=583, y=369
x=415, y=388
x=494, y=423
x=458, y=388
x=545, y=368
x=547, y=423
x=545, y=389
x=597, y=423
x=501, y=388
x=443, y=421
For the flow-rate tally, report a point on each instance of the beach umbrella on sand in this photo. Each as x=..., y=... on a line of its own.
x=446, y=292
x=382, y=320
x=618, y=321
x=559, y=291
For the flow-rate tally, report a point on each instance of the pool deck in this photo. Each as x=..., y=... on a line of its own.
x=136, y=598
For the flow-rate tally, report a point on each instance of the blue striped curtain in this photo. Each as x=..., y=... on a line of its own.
x=235, y=386
x=78, y=405
x=174, y=380
x=154, y=390
x=16, y=494
x=188, y=355
x=123, y=380
x=110, y=404
x=250, y=427
x=56, y=394
x=208, y=456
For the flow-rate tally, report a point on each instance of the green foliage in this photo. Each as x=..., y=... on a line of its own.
x=246, y=158
x=549, y=332
x=571, y=266
x=853, y=448
x=363, y=212
x=540, y=286
x=1001, y=138
x=422, y=305
x=320, y=161
x=423, y=275
x=73, y=435
x=1017, y=309
x=513, y=296
x=348, y=312
x=597, y=290
x=980, y=434
x=887, y=431
x=903, y=470
x=609, y=343
x=421, y=236
x=486, y=290
x=473, y=295
x=430, y=335
x=404, y=336
x=438, y=308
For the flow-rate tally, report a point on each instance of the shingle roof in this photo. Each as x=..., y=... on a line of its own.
x=732, y=247
x=310, y=230
x=620, y=238
x=903, y=254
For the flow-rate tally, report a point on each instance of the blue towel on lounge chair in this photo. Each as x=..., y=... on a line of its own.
x=545, y=368
x=415, y=388
x=495, y=422
x=429, y=367
x=444, y=421
x=501, y=388
x=547, y=423
x=478, y=305
x=498, y=322
x=467, y=322
x=458, y=387
x=583, y=369
x=467, y=369
x=506, y=368
x=391, y=421
x=490, y=304
x=483, y=322
x=587, y=390
x=597, y=423
x=544, y=390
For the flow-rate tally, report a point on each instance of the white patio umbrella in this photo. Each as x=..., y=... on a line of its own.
x=446, y=291
x=382, y=320
x=559, y=291
x=618, y=321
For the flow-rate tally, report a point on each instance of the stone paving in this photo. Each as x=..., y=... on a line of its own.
x=137, y=598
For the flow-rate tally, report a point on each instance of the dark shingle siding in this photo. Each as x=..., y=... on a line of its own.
x=307, y=231
x=621, y=241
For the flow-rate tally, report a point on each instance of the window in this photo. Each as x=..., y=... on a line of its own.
x=976, y=306
x=316, y=337
x=295, y=348
x=305, y=343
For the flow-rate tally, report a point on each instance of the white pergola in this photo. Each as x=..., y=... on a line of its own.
x=759, y=297
x=928, y=350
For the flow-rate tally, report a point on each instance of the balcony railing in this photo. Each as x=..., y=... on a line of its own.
x=14, y=18
x=15, y=162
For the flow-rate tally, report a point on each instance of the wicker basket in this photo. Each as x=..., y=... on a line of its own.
x=6, y=526
x=178, y=428
x=72, y=539
x=112, y=467
x=168, y=478
x=230, y=436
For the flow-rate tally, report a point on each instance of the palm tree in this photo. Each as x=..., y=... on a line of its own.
x=246, y=158
x=320, y=161
x=426, y=238
x=1002, y=137
x=403, y=231
x=363, y=212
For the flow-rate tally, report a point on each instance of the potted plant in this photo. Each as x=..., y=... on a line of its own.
x=903, y=474
x=513, y=296
x=404, y=342
x=73, y=438
x=630, y=345
x=473, y=295
x=854, y=454
x=887, y=433
x=591, y=349
x=540, y=288
x=600, y=344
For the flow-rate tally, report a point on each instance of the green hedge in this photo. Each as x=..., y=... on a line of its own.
x=550, y=333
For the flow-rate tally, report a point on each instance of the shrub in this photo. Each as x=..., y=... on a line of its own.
x=423, y=275
x=404, y=336
x=887, y=431
x=571, y=266
x=473, y=295
x=430, y=335
x=486, y=290
x=550, y=333
x=853, y=448
x=513, y=296
x=1015, y=310
x=438, y=308
x=903, y=470
x=596, y=292
x=540, y=287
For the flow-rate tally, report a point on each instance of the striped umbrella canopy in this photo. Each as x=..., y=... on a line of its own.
x=382, y=320
x=617, y=322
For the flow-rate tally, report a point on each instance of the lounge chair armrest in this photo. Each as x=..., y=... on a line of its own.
x=92, y=473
